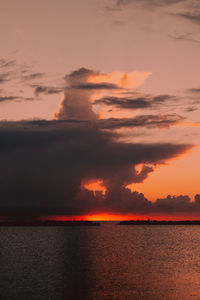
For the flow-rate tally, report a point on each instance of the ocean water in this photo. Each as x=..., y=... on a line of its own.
x=103, y=262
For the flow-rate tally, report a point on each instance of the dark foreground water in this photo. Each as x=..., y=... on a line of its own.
x=105, y=262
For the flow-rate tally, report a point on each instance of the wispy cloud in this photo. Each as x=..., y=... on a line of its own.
x=192, y=17
x=182, y=10
x=8, y=98
x=6, y=63
x=41, y=89
x=33, y=76
x=148, y=121
x=4, y=77
x=141, y=102
x=147, y=3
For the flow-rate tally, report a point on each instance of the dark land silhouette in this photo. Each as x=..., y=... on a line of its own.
x=155, y=222
x=49, y=223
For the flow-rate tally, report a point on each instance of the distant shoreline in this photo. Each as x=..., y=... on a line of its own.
x=47, y=223
x=154, y=222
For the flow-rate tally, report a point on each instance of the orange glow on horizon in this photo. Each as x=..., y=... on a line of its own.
x=121, y=217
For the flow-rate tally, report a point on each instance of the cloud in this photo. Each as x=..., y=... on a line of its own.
x=149, y=121
x=191, y=109
x=147, y=3
x=40, y=89
x=96, y=86
x=33, y=76
x=136, y=102
x=15, y=98
x=8, y=98
x=44, y=162
x=84, y=85
x=127, y=202
x=194, y=90
x=4, y=77
x=186, y=9
x=5, y=63
x=192, y=17
x=185, y=37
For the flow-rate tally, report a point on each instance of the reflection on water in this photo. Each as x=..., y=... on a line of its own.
x=103, y=262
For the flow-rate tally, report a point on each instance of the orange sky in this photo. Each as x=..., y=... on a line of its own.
x=180, y=176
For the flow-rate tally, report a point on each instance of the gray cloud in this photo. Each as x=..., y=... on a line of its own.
x=145, y=101
x=191, y=109
x=33, y=76
x=15, y=98
x=44, y=162
x=81, y=73
x=191, y=17
x=96, y=86
x=149, y=121
x=136, y=203
x=148, y=3
x=185, y=37
x=40, y=89
x=8, y=98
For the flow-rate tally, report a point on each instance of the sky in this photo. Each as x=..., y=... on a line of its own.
x=99, y=109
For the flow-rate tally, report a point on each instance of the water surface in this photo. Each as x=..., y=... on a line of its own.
x=103, y=262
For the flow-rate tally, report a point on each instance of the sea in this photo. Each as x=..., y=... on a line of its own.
x=100, y=262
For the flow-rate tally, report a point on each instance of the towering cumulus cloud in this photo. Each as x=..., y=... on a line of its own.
x=83, y=85
x=76, y=102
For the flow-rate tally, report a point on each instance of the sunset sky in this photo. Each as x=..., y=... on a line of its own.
x=99, y=113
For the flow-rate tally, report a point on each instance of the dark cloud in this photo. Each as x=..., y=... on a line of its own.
x=8, y=98
x=44, y=162
x=32, y=76
x=136, y=203
x=81, y=73
x=191, y=109
x=149, y=121
x=122, y=102
x=40, y=89
x=15, y=98
x=148, y=3
x=185, y=37
x=191, y=17
x=96, y=86
x=135, y=103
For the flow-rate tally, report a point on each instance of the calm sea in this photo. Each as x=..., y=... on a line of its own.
x=105, y=262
